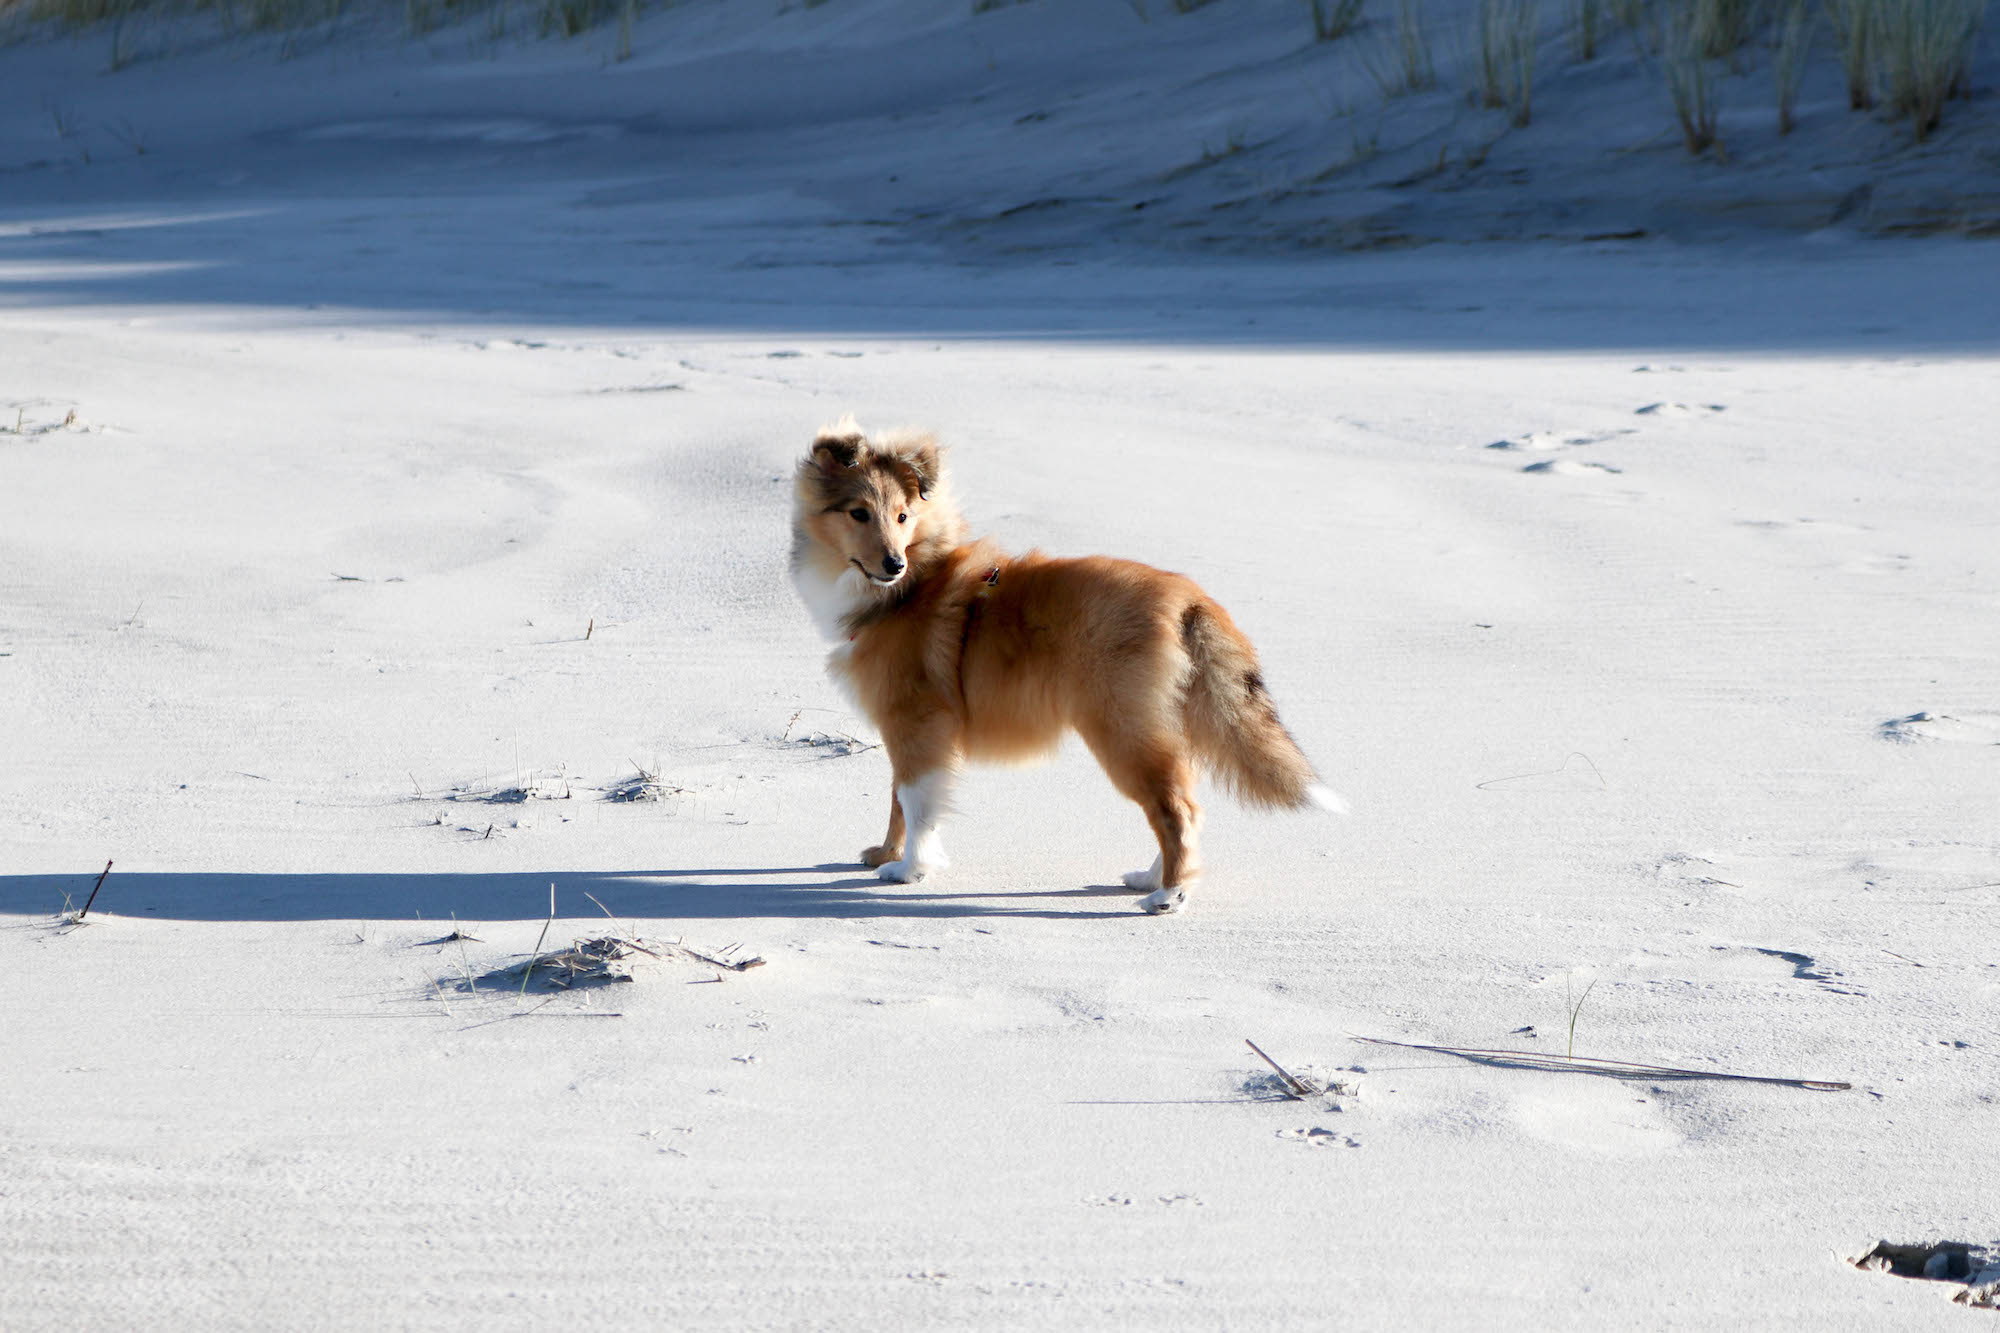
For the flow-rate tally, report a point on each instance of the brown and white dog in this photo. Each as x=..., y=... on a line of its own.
x=958, y=651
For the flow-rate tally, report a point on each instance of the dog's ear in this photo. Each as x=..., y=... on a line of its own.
x=921, y=464
x=838, y=449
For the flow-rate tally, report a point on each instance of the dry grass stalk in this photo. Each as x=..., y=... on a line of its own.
x=1584, y=1064
x=529, y=971
x=607, y=959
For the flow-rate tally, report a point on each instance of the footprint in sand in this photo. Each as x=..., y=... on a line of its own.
x=1559, y=442
x=1554, y=441
x=1751, y=965
x=1965, y=728
x=1568, y=467
x=1319, y=1136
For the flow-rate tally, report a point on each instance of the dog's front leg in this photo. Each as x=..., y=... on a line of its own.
x=891, y=848
x=923, y=754
x=922, y=802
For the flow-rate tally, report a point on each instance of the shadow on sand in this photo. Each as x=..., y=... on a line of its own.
x=821, y=891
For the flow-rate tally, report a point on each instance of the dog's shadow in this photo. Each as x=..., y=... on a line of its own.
x=834, y=890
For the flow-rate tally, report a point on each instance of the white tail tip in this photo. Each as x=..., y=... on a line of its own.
x=1326, y=799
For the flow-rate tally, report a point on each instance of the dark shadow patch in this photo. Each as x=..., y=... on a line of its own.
x=716, y=893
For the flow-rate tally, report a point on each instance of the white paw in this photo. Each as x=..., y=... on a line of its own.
x=904, y=872
x=1142, y=881
x=1161, y=901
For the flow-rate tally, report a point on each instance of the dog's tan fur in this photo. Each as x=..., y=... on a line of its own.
x=958, y=651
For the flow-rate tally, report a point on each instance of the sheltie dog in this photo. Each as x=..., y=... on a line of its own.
x=956, y=650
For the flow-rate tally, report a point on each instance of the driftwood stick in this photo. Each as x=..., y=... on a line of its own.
x=1585, y=1064
x=1299, y=1090
x=93, y=891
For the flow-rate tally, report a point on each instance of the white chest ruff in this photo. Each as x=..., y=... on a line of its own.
x=830, y=600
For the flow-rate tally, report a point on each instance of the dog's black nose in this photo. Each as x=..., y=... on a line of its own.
x=892, y=564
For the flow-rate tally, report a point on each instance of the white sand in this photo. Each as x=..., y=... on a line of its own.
x=1689, y=691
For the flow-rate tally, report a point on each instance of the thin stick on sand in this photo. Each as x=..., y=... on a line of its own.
x=1584, y=1064
x=93, y=891
x=1299, y=1091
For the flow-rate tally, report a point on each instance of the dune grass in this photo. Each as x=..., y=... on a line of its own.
x=1723, y=27
x=1334, y=18
x=1401, y=61
x=1788, y=60
x=1503, y=72
x=1586, y=28
x=1922, y=52
x=1853, y=28
x=1905, y=58
x=1684, y=32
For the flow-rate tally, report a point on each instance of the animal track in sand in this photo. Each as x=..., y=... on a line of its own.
x=1559, y=442
x=1564, y=467
x=1965, y=728
x=1937, y=872
x=1554, y=441
x=1802, y=525
x=1319, y=1136
x=1735, y=964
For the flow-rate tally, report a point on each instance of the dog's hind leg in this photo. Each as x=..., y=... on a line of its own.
x=891, y=846
x=1160, y=778
x=1176, y=820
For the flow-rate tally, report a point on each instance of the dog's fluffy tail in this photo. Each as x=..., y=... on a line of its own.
x=1233, y=723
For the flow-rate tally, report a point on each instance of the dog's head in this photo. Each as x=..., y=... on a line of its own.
x=867, y=503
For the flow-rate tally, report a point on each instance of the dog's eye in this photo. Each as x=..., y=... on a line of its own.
x=858, y=515
x=902, y=518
